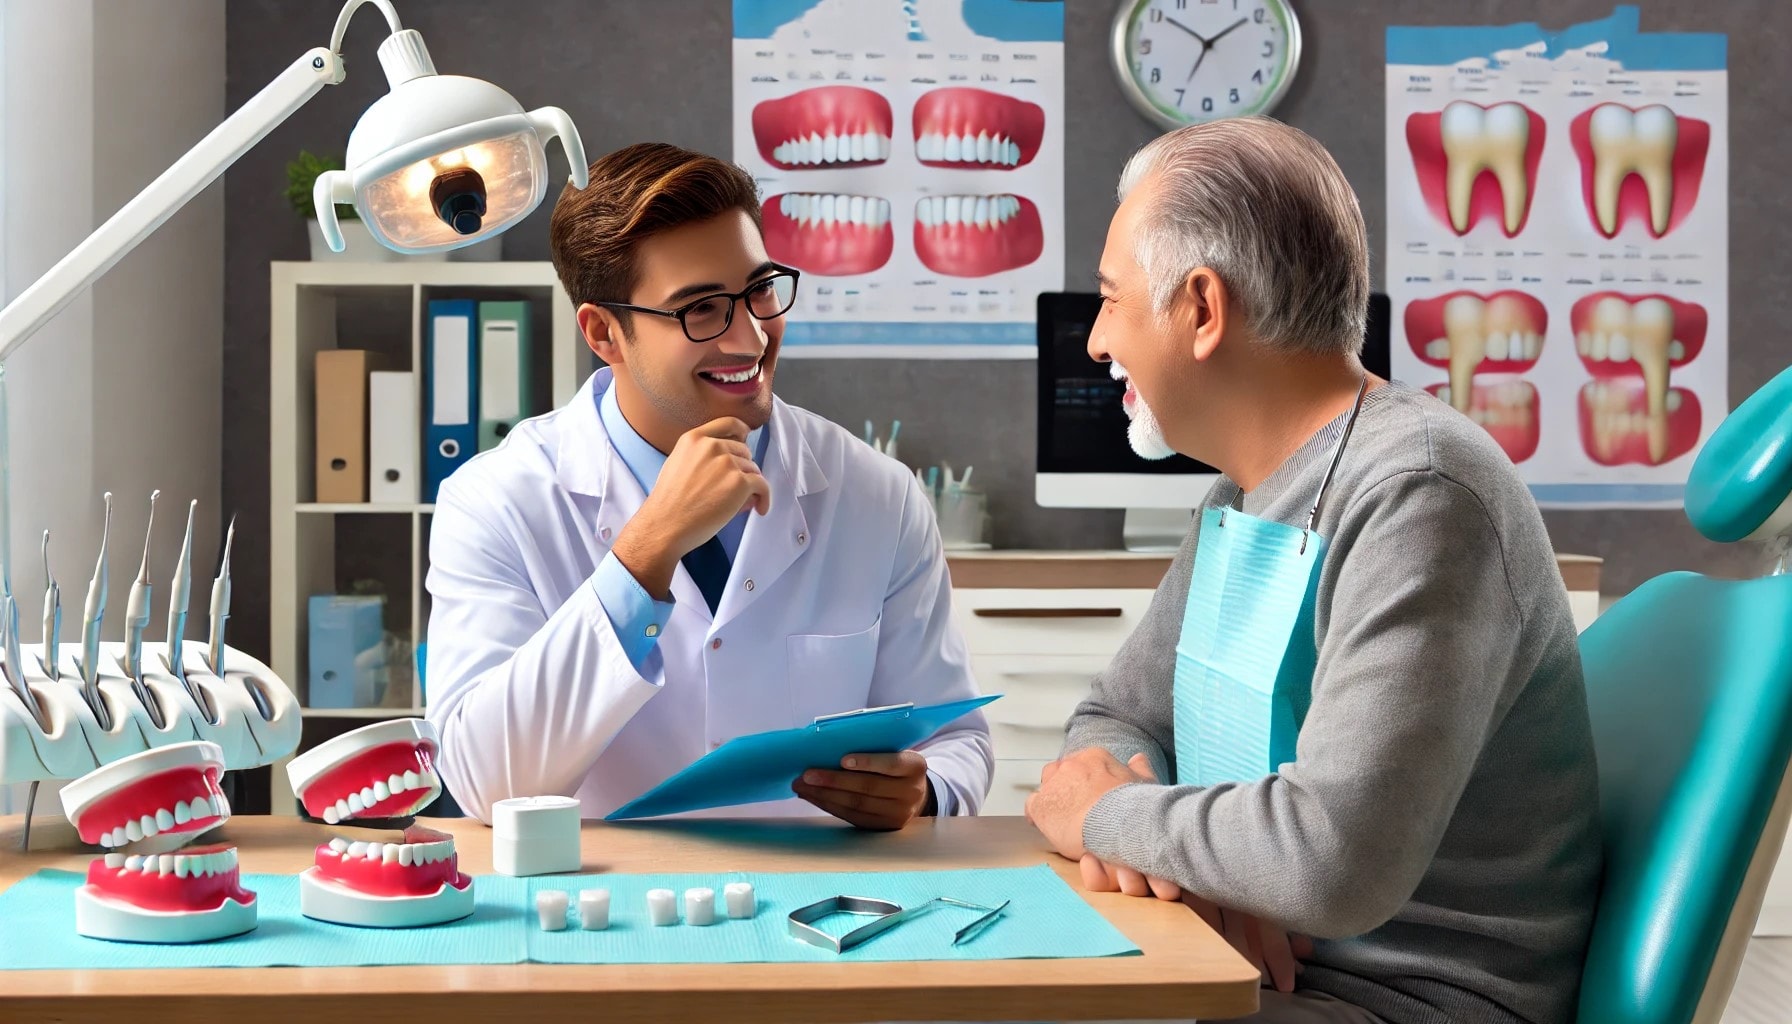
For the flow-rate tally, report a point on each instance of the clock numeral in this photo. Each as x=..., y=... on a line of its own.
x=1234, y=96
x=1156, y=76
x=1179, y=93
x=1156, y=15
x=1259, y=15
x=1207, y=104
x=1257, y=76
x=1144, y=46
x=1269, y=47
x=1182, y=5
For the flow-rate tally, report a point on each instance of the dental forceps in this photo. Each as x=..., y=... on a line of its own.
x=177, y=621
x=136, y=623
x=885, y=915
x=92, y=615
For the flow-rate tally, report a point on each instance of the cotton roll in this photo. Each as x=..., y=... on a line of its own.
x=662, y=907
x=551, y=905
x=594, y=909
x=739, y=896
x=699, y=907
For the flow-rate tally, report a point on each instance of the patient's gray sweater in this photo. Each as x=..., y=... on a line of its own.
x=1437, y=829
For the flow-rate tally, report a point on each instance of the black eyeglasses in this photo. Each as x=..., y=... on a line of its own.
x=710, y=316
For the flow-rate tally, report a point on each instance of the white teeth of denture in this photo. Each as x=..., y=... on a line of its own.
x=1476, y=140
x=739, y=897
x=381, y=792
x=183, y=812
x=368, y=797
x=982, y=148
x=339, y=844
x=164, y=820
x=966, y=211
x=115, y=860
x=810, y=209
x=1640, y=143
x=843, y=148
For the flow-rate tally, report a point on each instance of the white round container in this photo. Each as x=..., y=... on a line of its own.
x=535, y=835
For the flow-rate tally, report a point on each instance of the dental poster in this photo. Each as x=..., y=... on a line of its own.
x=910, y=158
x=1558, y=234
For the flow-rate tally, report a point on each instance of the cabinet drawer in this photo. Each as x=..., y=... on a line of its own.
x=1047, y=621
x=1039, y=693
x=1009, y=788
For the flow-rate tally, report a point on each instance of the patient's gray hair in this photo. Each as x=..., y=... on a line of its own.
x=1266, y=208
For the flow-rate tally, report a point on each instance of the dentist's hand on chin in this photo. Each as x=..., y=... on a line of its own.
x=880, y=792
x=709, y=478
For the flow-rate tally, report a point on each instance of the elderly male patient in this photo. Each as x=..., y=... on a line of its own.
x=1367, y=727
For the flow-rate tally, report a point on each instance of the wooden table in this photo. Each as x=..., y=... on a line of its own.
x=1186, y=971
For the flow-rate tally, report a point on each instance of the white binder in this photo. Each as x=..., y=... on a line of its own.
x=392, y=427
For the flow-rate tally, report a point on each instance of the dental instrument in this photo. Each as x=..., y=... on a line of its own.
x=136, y=623
x=178, y=595
x=551, y=904
x=662, y=908
x=700, y=907
x=52, y=619
x=220, y=610
x=739, y=897
x=884, y=915
x=594, y=909
x=91, y=618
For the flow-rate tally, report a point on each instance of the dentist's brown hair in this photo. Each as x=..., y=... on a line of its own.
x=634, y=193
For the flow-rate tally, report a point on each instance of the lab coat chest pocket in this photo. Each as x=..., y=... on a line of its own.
x=830, y=674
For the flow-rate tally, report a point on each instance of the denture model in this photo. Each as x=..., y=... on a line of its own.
x=372, y=775
x=152, y=886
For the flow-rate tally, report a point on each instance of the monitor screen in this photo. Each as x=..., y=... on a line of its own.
x=1082, y=425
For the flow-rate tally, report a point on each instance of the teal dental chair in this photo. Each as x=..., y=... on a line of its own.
x=1689, y=680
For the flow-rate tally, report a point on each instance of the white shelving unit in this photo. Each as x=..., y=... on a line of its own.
x=303, y=302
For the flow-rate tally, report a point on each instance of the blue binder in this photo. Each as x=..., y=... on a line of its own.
x=451, y=417
x=749, y=769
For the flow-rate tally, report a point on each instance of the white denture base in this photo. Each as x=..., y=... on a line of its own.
x=98, y=916
x=323, y=900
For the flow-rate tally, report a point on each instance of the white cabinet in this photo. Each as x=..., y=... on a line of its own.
x=1039, y=649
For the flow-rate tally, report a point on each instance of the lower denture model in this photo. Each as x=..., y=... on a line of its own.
x=368, y=778
x=152, y=886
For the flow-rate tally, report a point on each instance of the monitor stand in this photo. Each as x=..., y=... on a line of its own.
x=1156, y=530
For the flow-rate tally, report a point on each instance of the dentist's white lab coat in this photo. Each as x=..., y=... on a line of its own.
x=838, y=599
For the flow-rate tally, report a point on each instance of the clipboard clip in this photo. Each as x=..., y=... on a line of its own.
x=821, y=722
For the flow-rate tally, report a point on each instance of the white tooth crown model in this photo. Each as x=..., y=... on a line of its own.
x=71, y=741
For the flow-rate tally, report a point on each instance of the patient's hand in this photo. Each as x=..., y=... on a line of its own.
x=1274, y=953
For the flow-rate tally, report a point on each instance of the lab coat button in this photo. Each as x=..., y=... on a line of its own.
x=653, y=630
x=604, y=533
x=802, y=538
x=716, y=644
x=749, y=584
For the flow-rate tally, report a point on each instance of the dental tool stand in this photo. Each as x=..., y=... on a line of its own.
x=71, y=741
x=1156, y=530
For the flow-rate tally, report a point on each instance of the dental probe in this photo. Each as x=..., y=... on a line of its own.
x=15, y=661
x=51, y=658
x=177, y=620
x=136, y=621
x=220, y=610
x=91, y=617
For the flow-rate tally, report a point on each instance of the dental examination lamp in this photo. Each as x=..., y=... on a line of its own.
x=438, y=163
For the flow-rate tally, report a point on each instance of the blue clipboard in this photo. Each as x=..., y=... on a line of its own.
x=750, y=769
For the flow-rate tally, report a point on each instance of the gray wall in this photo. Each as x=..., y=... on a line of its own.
x=630, y=70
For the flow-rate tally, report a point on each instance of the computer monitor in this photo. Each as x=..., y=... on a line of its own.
x=1084, y=459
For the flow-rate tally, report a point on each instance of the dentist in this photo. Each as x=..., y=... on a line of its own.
x=1354, y=710
x=675, y=557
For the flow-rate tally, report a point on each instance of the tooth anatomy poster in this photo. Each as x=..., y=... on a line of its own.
x=910, y=158
x=1558, y=231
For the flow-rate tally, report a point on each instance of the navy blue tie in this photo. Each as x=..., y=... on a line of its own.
x=708, y=565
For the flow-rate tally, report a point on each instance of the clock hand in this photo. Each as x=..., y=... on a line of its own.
x=1198, y=60
x=1205, y=42
x=1228, y=28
